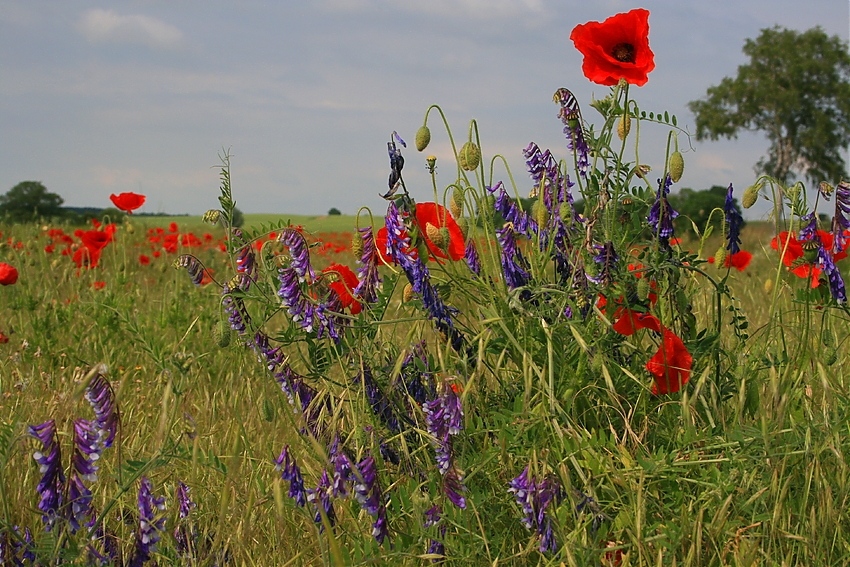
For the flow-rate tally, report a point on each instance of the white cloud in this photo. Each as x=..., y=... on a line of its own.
x=107, y=26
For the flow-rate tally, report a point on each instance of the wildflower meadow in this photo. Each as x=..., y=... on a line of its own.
x=549, y=367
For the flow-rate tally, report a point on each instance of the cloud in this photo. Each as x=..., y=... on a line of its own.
x=107, y=26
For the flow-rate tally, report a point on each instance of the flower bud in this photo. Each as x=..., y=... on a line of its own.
x=643, y=289
x=423, y=137
x=469, y=157
x=540, y=213
x=357, y=245
x=624, y=125
x=221, y=333
x=831, y=357
x=431, y=163
x=435, y=235
x=463, y=225
x=720, y=257
x=407, y=293
x=677, y=166
x=212, y=216
x=750, y=196
x=456, y=203
x=768, y=285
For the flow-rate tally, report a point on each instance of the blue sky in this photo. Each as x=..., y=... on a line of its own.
x=143, y=96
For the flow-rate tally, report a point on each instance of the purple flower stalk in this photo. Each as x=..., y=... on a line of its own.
x=309, y=316
x=343, y=469
x=320, y=498
x=507, y=207
x=570, y=115
x=453, y=487
x=734, y=221
x=193, y=267
x=297, y=246
x=100, y=396
x=535, y=497
x=840, y=222
x=16, y=548
x=151, y=523
x=833, y=275
x=289, y=471
x=246, y=266
x=514, y=265
x=49, y=461
x=184, y=501
x=444, y=419
x=367, y=490
x=606, y=258
x=470, y=256
x=433, y=515
x=237, y=315
x=367, y=273
x=661, y=214
x=87, y=451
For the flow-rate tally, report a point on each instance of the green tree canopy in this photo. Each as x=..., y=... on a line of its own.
x=795, y=89
x=28, y=201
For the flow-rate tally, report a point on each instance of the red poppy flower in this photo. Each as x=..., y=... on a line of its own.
x=791, y=249
x=98, y=285
x=739, y=260
x=627, y=321
x=144, y=259
x=344, y=285
x=172, y=227
x=671, y=365
x=8, y=274
x=431, y=218
x=3, y=338
x=127, y=202
x=615, y=49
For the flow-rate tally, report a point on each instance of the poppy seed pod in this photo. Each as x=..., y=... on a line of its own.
x=624, y=125
x=423, y=138
x=677, y=166
x=469, y=157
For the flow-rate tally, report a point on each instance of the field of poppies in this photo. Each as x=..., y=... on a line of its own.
x=479, y=374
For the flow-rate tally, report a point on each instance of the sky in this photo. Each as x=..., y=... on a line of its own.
x=107, y=97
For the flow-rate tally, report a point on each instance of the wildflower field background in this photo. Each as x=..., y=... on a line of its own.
x=479, y=375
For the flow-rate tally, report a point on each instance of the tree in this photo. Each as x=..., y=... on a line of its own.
x=795, y=89
x=334, y=211
x=28, y=201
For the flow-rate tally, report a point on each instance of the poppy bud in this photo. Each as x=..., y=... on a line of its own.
x=463, y=225
x=750, y=196
x=423, y=138
x=212, y=216
x=469, y=157
x=828, y=339
x=435, y=235
x=407, y=293
x=456, y=203
x=768, y=285
x=357, y=245
x=831, y=357
x=129, y=228
x=221, y=333
x=643, y=289
x=268, y=409
x=624, y=125
x=720, y=257
x=677, y=166
x=540, y=213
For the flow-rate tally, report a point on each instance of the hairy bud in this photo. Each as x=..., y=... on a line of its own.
x=469, y=157
x=423, y=138
x=677, y=166
x=750, y=196
x=624, y=125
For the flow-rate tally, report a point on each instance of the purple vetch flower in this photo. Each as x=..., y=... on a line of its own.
x=49, y=460
x=454, y=488
x=367, y=273
x=414, y=377
x=808, y=228
x=367, y=490
x=87, y=451
x=535, y=497
x=396, y=164
x=343, y=469
x=101, y=397
x=433, y=515
x=840, y=222
x=289, y=471
x=185, y=537
x=470, y=255
x=507, y=207
x=184, y=502
x=734, y=221
x=570, y=115
x=111, y=554
x=16, y=548
x=299, y=253
x=514, y=265
x=193, y=267
x=246, y=266
x=237, y=315
x=419, y=277
x=826, y=263
x=606, y=260
x=309, y=315
x=443, y=420
x=661, y=214
x=151, y=523
x=320, y=498
x=378, y=401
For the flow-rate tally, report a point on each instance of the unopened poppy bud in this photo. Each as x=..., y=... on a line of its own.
x=540, y=213
x=469, y=157
x=677, y=166
x=463, y=225
x=129, y=228
x=750, y=196
x=456, y=203
x=212, y=216
x=357, y=245
x=624, y=125
x=435, y=235
x=423, y=137
x=828, y=339
x=720, y=257
x=407, y=293
x=643, y=289
x=831, y=357
x=221, y=333
x=768, y=285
